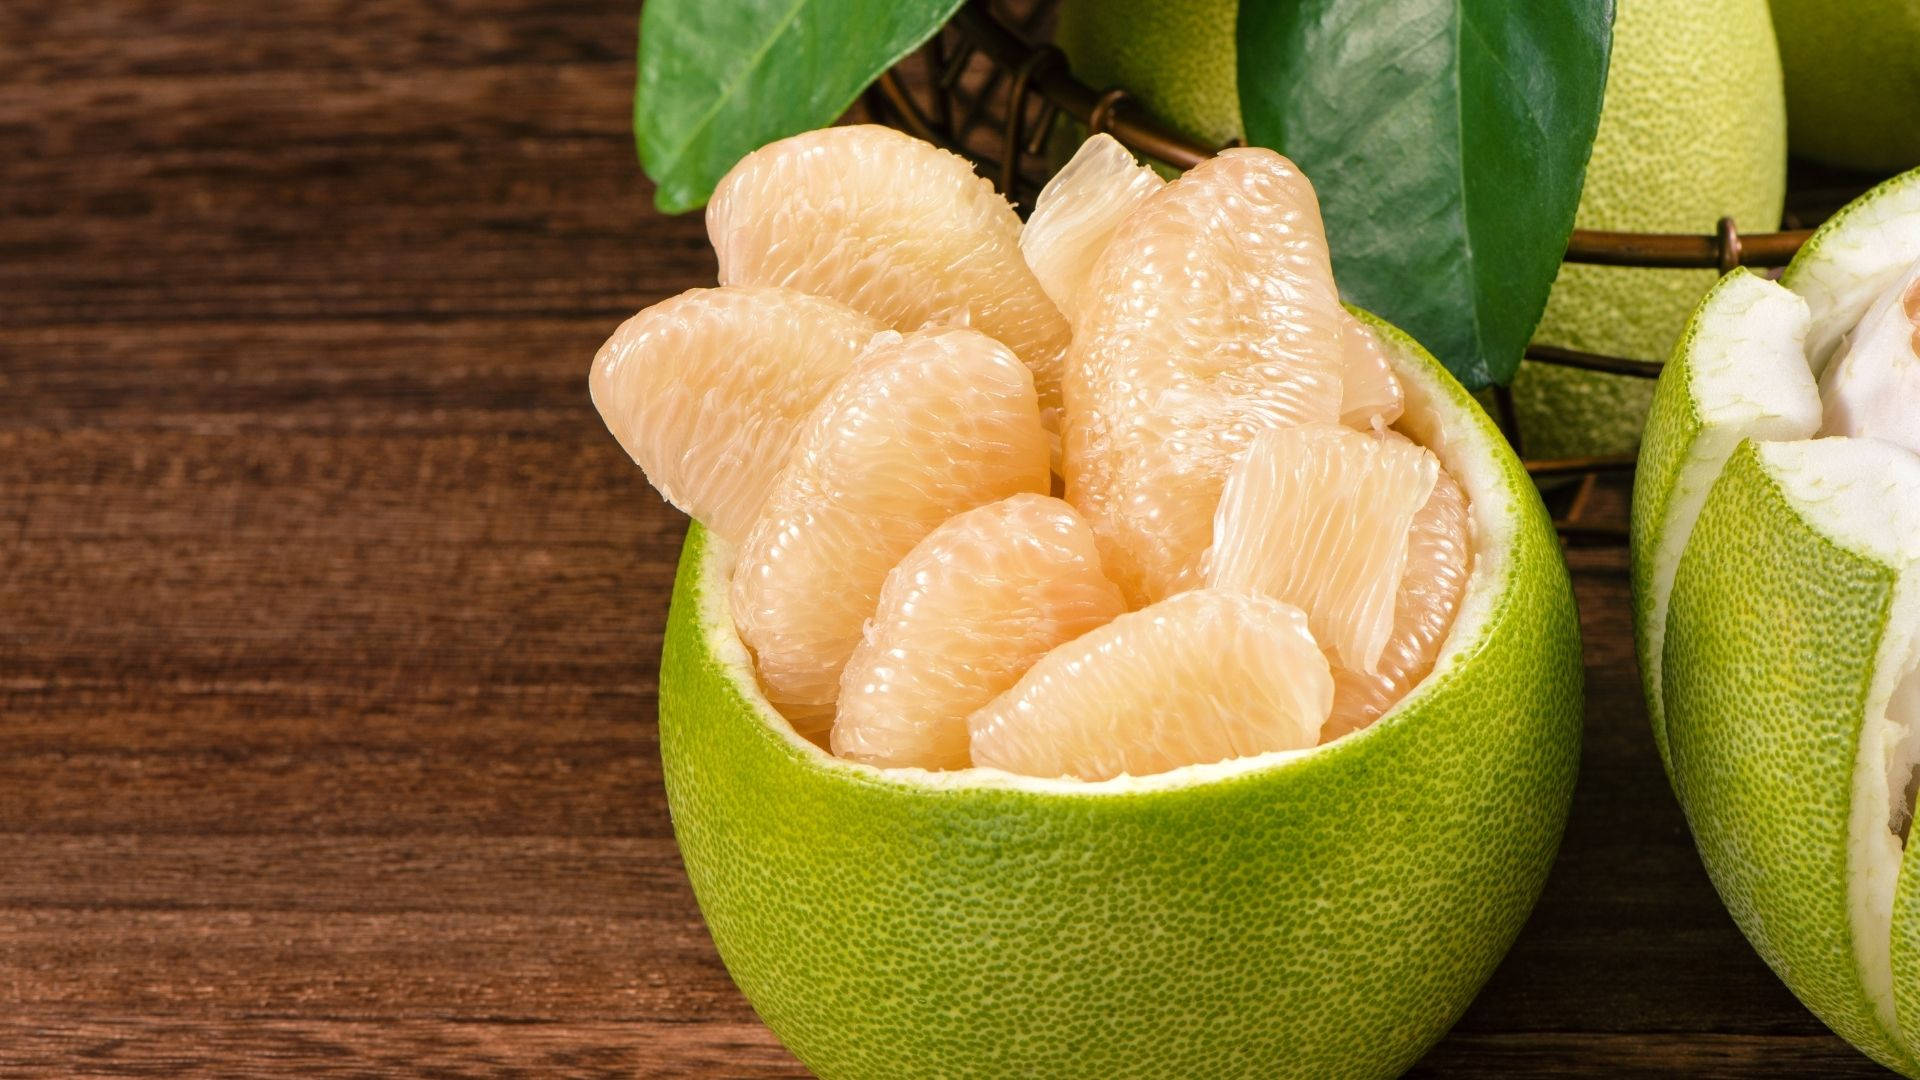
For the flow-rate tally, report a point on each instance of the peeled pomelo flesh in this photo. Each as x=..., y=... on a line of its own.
x=1439, y=559
x=925, y=426
x=1076, y=213
x=891, y=226
x=959, y=620
x=1202, y=676
x=1319, y=516
x=706, y=391
x=1370, y=395
x=1211, y=316
x=1871, y=388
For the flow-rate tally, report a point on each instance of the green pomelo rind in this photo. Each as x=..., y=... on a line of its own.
x=1853, y=76
x=1319, y=914
x=1854, y=257
x=1775, y=651
x=1736, y=373
x=1693, y=130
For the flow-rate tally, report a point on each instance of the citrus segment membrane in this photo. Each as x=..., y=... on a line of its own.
x=959, y=620
x=706, y=391
x=1439, y=561
x=1318, y=516
x=1871, y=387
x=1076, y=214
x=891, y=226
x=1737, y=373
x=925, y=426
x=1850, y=261
x=1202, y=676
x=1370, y=395
x=1211, y=316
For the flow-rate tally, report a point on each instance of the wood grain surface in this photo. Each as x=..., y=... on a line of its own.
x=329, y=611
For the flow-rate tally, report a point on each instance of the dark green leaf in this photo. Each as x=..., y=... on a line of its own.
x=1448, y=140
x=721, y=78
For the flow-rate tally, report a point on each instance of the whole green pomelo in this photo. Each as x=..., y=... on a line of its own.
x=1323, y=914
x=1693, y=130
x=1853, y=80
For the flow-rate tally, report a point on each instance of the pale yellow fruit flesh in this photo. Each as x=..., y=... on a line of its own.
x=891, y=226
x=926, y=426
x=1318, y=516
x=1199, y=677
x=959, y=620
x=1439, y=560
x=1370, y=395
x=707, y=391
x=1212, y=316
x=1076, y=214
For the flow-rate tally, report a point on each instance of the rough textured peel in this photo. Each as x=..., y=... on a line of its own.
x=1737, y=373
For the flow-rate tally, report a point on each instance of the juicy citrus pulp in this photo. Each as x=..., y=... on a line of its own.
x=707, y=391
x=1199, y=677
x=962, y=617
x=925, y=426
x=1076, y=214
x=1211, y=316
x=891, y=226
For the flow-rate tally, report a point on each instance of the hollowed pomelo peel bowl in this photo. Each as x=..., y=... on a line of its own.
x=1777, y=596
x=1326, y=913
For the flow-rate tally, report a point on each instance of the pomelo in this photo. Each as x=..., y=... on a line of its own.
x=1777, y=609
x=1853, y=78
x=1311, y=913
x=1693, y=130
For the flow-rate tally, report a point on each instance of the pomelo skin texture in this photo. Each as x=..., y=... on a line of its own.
x=1324, y=913
x=1693, y=130
x=1853, y=80
x=1776, y=581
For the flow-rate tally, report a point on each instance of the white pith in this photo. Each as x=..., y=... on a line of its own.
x=1872, y=383
x=1853, y=259
x=1747, y=379
x=1466, y=445
x=1864, y=496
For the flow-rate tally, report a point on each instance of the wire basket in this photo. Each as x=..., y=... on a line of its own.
x=990, y=88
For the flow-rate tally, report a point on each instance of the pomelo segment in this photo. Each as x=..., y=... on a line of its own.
x=1439, y=560
x=1326, y=913
x=1853, y=259
x=1791, y=627
x=1737, y=373
x=1872, y=385
x=1213, y=316
x=707, y=391
x=893, y=227
x=1370, y=396
x=1199, y=677
x=1076, y=214
x=1318, y=516
x=960, y=619
x=925, y=426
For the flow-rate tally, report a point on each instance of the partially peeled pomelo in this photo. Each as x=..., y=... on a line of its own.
x=1316, y=912
x=1776, y=573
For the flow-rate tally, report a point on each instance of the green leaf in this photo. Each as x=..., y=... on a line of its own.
x=1448, y=140
x=721, y=78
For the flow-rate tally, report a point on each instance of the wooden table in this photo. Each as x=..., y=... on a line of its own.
x=329, y=611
